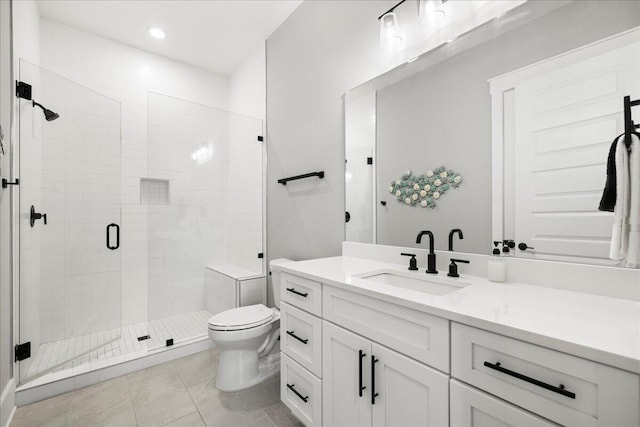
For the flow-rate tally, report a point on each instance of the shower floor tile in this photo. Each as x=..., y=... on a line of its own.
x=106, y=347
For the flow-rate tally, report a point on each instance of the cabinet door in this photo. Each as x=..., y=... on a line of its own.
x=408, y=393
x=345, y=358
x=473, y=408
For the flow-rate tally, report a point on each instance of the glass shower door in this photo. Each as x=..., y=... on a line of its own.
x=204, y=197
x=69, y=233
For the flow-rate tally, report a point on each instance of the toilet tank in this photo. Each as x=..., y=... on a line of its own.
x=275, y=279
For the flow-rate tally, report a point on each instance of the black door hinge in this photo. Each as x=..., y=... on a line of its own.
x=260, y=255
x=169, y=342
x=369, y=160
x=260, y=138
x=23, y=90
x=23, y=351
x=6, y=183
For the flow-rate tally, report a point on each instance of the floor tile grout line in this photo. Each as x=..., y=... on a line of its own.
x=195, y=405
x=133, y=405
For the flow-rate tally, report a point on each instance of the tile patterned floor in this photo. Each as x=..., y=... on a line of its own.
x=177, y=393
x=66, y=354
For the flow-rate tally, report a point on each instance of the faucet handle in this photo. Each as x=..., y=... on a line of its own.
x=412, y=262
x=453, y=267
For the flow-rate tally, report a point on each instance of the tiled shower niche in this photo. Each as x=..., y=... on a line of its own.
x=154, y=191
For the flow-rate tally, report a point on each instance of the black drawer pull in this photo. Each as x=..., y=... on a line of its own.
x=560, y=389
x=297, y=337
x=292, y=290
x=303, y=398
x=373, y=380
x=362, y=354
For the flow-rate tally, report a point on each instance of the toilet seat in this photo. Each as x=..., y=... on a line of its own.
x=247, y=317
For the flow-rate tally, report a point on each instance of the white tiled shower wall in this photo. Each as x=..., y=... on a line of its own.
x=127, y=75
x=196, y=148
x=187, y=147
x=80, y=279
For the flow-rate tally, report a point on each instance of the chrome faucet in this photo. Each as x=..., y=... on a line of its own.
x=431, y=257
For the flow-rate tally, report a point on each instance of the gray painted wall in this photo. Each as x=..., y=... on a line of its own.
x=328, y=47
x=322, y=50
x=442, y=116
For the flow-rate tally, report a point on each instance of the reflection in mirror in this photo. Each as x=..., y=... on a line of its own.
x=437, y=111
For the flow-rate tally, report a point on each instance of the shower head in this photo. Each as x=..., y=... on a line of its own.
x=48, y=114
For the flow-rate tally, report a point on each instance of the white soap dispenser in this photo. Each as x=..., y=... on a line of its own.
x=497, y=266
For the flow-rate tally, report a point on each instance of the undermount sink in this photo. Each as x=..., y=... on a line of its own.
x=421, y=282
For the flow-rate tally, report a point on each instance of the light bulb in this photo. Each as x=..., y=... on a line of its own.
x=431, y=13
x=390, y=34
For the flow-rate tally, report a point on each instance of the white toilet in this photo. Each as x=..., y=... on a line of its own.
x=247, y=338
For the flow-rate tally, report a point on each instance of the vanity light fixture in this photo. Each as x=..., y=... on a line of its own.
x=390, y=34
x=431, y=13
x=157, y=33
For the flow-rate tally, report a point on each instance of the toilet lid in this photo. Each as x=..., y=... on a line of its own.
x=241, y=317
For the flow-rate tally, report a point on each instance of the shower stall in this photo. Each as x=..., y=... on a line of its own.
x=117, y=246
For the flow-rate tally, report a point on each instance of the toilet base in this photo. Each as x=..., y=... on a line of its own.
x=267, y=367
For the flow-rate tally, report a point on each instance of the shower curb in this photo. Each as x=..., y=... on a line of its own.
x=65, y=382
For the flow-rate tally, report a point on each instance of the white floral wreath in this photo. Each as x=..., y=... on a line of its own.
x=424, y=189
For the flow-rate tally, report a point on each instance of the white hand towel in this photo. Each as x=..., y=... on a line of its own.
x=633, y=250
x=620, y=232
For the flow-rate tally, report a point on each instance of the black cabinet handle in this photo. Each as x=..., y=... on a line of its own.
x=560, y=389
x=292, y=290
x=117, y=245
x=303, y=398
x=360, y=386
x=373, y=379
x=297, y=337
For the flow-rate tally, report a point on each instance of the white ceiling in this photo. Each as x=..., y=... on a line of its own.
x=215, y=35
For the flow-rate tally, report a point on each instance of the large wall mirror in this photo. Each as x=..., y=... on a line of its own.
x=457, y=107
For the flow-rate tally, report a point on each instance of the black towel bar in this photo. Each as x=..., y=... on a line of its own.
x=629, y=125
x=284, y=181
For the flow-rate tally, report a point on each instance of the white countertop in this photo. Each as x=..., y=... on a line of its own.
x=598, y=328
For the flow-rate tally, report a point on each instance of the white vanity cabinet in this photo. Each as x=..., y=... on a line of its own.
x=565, y=389
x=353, y=359
x=473, y=408
x=366, y=384
x=301, y=346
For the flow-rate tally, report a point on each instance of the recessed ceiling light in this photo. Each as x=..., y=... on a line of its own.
x=157, y=33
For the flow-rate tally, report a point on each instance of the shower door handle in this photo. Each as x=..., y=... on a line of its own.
x=117, y=245
x=33, y=216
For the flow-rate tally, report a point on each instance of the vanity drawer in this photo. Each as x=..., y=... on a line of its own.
x=416, y=334
x=565, y=389
x=301, y=337
x=302, y=293
x=472, y=408
x=301, y=391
